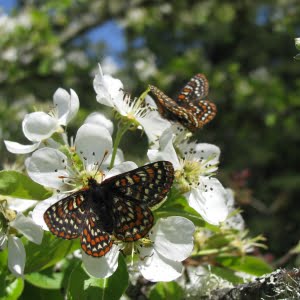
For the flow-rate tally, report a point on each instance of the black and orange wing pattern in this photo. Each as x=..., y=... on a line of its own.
x=119, y=207
x=188, y=108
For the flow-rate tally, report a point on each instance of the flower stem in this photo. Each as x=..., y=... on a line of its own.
x=120, y=133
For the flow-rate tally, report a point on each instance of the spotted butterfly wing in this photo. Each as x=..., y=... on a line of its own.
x=134, y=193
x=188, y=108
x=118, y=206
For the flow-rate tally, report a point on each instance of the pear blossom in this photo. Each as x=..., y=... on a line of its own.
x=39, y=126
x=53, y=168
x=24, y=225
x=110, y=92
x=171, y=242
x=195, y=165
x=236, y=220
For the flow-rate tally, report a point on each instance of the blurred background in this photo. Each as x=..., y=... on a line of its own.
x=245, y=48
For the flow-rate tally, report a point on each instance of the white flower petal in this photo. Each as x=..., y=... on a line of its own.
x=92, y=142
x=16, y=256
x=28, y=228
x=38, y=126
x=153, y=125
x=41, y=207
x=210, y=153
x=173, y=237
x=210, y=204
x=101, y=120
x=167, y=150
x=102, y=267
x=17, y=148
x=121, y=168
x=236, y=221
x=46, y=165
x=67, y=105
x=107, y=88
x=158, y=268
x=20, y=205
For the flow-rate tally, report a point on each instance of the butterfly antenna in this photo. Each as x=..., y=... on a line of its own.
x=101, y=162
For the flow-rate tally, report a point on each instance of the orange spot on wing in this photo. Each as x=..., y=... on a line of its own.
x=60, y=211
x=150, y=172
x=123, y=182
x=88, y=238
x=61, y=234
x=78, y=200
x=136, y=178
x=70, y=206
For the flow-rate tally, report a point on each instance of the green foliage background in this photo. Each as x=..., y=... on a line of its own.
x=246, y=50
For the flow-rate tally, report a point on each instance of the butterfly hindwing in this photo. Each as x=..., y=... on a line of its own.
x=65, y=218
x=132, y=219
x=188, y=108
x=94, y=241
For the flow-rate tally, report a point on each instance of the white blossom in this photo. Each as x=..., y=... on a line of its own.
x=171, y=243
x=39, y=126
x=110, y=92
x=195, y=165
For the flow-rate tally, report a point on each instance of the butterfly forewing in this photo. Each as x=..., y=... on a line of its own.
x=149, y=184
x=188, y=108
x=118, y=206
x=195, y=89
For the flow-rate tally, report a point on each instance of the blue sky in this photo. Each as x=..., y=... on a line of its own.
x=110, y=33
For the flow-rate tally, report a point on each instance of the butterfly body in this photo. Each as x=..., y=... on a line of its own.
x=118, y=207
x=188, y=108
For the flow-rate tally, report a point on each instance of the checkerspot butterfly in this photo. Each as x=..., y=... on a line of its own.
x=119, y=206
x=188, y=108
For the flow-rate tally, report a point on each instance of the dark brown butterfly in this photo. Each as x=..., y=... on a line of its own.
x=119, y=206
x=188, y=108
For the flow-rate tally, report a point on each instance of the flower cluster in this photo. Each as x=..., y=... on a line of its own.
x=65, y=165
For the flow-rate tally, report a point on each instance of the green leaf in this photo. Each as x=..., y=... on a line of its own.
x=33, y=292
x=179, y=207
x=248, y=264
x=18, y=185
x=46, y=279
x=82, y=287
x=227, y=274
x=51, y=251
x=12, y=290
x=166, y=291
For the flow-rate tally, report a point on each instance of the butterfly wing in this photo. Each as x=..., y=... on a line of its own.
x=148, y=184
x=132, y=219
x=65, y=218
x=94, y=241
x=172, y=111
x=167, y=107
x=133, y=193
x=203, y=110
x=72, y=217
x=194, y=90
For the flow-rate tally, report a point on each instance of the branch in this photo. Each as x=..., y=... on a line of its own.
x=281, y=284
